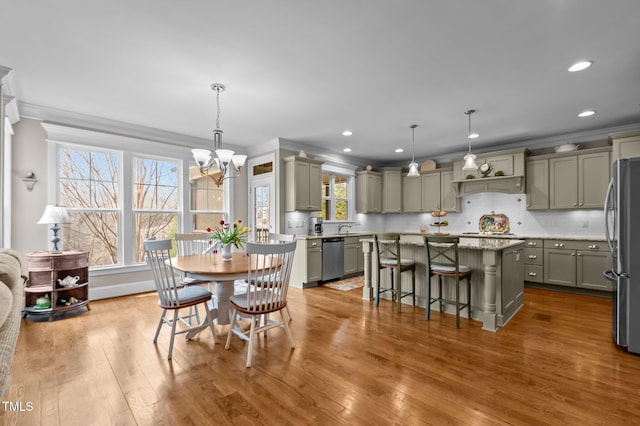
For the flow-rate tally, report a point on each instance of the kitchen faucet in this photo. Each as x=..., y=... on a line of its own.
x=343, y=225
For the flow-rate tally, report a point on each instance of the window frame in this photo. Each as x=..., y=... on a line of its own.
x=350, y=199
x=93, y=140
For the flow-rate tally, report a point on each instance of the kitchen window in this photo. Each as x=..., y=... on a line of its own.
x=337, y=197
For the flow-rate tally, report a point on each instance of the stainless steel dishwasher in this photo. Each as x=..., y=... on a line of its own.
x=332, y=258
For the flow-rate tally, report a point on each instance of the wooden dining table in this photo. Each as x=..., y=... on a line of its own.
x=211, y=267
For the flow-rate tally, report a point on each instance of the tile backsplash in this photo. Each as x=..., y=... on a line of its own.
x=588, y=223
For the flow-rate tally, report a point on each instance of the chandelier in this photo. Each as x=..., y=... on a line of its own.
x=225, y=160
x=470, y=159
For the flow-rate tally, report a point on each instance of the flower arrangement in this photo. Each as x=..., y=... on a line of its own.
x=229, y=233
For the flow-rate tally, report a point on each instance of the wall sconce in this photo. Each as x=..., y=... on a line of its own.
x=30, y=180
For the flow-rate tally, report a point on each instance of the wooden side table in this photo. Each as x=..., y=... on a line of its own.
x=46, y=268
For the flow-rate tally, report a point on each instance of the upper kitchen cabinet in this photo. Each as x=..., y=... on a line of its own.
x=368, y=192
x=573, y=180
x=431, y=191
x=303, y=184
x=579, y=181
x=537, y=182
x=391, y=189
x=625, y=145
x=510, y=169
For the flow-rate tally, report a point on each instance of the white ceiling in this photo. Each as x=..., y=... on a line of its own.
x=306, y=70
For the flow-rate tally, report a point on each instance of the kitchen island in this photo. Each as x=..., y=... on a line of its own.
x=497, y=280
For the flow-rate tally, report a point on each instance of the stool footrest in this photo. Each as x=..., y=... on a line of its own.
x=448, y=301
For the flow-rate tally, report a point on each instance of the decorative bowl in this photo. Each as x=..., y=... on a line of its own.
x=568, y=147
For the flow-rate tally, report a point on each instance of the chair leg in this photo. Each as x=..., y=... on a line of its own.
x=427, y=314
x=378, y=288
x=440, y=291
x=155, y=338
x=233, y=324
x=469, y=296
x=251, y=339
x=413, y=285
x=287, y=330
x=173, y=332
x=289, y=313
x=398, y=293
x=457, y=303
x=210, y=322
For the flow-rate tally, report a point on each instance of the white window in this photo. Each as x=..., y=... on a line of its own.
x=121, y=190
x=337, y=197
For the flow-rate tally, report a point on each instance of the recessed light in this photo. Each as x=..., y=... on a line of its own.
x=399, y=150
x=579, y=66
x=586, y=113
x=474, y=135
x=347, y=133
x=347, y=150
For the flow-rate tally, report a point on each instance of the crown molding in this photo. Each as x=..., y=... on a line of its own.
x=98, y=124
x=11, y=109
x=328, y=157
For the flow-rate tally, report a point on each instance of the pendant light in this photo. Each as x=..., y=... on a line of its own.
x=470, y=165
x=225, y=160
x=413, y=166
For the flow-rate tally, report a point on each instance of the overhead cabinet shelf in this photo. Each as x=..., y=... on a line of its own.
x=505, y=184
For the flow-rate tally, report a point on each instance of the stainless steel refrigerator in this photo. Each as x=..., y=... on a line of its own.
x=622, y=224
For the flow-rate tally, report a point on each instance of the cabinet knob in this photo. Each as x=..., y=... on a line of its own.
x=579, y=254
x=558, y=245
x=573, y=254
x=581, y=204
x=532, y=244
x=574, y=204
x=533, y=256
x=533, y=274
x=528, y=205
x=593, y=246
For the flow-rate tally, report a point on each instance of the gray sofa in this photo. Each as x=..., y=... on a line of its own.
x=13, y=274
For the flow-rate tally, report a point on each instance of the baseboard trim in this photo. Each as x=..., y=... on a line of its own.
x=106, y=292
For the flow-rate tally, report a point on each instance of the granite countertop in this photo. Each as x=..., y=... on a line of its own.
x=467, y=236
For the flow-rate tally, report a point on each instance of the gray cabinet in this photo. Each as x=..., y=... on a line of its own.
x=625, y=145
x=368, y=192
x=303, y=184
x=512, y=280
x=411, y=194
x=533, y=261
x=351, y=255
x=563, y=183
x=360, y=252
x=431, y=191
x=450, y=203
x=579, y=181
x=391, y=189
x=307, y=263
x=576, y=264
x=594, y=173
x=537, y=184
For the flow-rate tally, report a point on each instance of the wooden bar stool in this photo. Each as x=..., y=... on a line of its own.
x=388, y=252
x=441, y=259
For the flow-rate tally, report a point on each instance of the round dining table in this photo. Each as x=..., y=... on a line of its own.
x=211, y=267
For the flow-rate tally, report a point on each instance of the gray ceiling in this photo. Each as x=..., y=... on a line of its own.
x=307, y=70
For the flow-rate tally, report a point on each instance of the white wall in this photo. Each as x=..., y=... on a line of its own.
x=588, y=223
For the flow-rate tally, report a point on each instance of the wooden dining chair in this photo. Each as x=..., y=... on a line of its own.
x=388, y=254
x=189, y=244
x=442, y=260
x=172, y=295
x=271, y=265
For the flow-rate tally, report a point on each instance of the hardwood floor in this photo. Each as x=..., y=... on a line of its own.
x=554, y=363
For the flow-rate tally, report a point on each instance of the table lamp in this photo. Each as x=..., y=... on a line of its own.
x=54, y=215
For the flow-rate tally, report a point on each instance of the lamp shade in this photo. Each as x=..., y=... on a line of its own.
x=238, y=160
x=413, y=169
x=202, y=156
x=225, y=155
x=470, y=163
x=54, y=214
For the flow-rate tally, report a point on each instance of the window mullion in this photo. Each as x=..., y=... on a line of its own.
x=127, y=218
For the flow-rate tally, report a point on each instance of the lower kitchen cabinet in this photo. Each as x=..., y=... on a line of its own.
x=351, y=255
x=533, y=261
x=512, y=279
x=576, y=264
x=307, y=263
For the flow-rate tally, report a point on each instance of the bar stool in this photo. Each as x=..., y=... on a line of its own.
x=441, y=259
x=388, y=252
